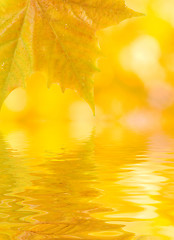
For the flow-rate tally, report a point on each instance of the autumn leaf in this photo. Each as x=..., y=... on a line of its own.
x=56, y=37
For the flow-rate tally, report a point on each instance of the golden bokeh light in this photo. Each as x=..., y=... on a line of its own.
x=17, y=100
x=136, y=71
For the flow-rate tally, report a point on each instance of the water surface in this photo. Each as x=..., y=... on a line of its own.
x=103, y=184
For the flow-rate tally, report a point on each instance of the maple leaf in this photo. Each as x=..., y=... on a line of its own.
x=56, y=37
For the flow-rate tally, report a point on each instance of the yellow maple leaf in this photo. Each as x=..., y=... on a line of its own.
x=56, y=37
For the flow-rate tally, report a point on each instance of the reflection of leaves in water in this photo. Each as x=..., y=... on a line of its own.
x=62, y=193
x=75, y=191
x=11, y=212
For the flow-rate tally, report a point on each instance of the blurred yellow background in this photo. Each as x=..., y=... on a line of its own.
x=134, y=85
x=100, y=182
